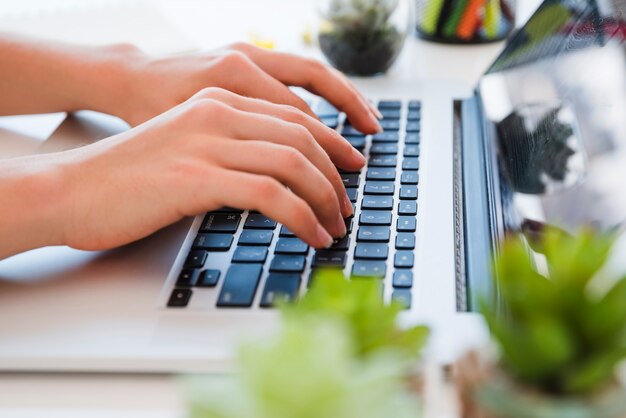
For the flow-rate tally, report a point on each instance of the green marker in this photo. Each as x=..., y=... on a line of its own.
x=431, y=16
x=449, y=29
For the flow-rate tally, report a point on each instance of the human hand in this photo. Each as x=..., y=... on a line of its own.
x=216, y=149
x=152, y=86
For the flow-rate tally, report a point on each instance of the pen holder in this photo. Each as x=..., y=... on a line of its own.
x=464, y=21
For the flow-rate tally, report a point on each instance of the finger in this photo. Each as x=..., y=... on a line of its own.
x=319, y=79
x=342, y=154
x=268, y=196
x=291, y=168
x=254, y=82
x=255, y=126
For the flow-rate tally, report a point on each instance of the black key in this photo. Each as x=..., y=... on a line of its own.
x=285, y=232
x=415, y=104
x=412, y=138
x=407, y=207
x=325, y=109
x=250, y=255
x=357, y=141
x=348, y=222
x=179, y=298
x=227, y=210
x=405, y=241
x=375, y=217
x=406, y=224
x=390, y=114
x=291, y=246
x=402, y=278
x=254, y=237
x=220, y=222
x=350, y=130
x=369, y=268
x=390, y=104
x=329, y=258
x=240, y=285
x=380, y=187
x=372, y=251
x=386, y=137
x=208, y=278
x=383, y=161
x=373, y=234
x=350, y=180
x=389, y=125
x=330, y=121
x=288, y=263
x=213, y=242
x=341, y=244
x=188, y=278
x=412, y=126
x=377, y=202
x=408, y=192
x=403, y=259
x=409, y=177
x=410, y=163
x=352, y=193
x=383, y=148
x=280, y=286
x=411, y=150
x=258, y=221
x=196, y=258
x=413, y=115
x=403, y=297
x=381, y=173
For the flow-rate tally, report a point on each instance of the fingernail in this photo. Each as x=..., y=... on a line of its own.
x=358, y=156
x=348, y=205
x=341, y=225
x=324, y=237
x=375, y=123
x=376, y=112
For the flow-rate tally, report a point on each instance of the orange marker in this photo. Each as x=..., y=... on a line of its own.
x=469, y=21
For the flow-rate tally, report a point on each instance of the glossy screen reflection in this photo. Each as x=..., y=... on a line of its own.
x=556, y=103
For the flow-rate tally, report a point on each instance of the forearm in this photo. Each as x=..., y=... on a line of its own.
x=42, y=77
x=31, y=196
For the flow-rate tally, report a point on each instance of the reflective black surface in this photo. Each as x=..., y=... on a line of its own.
x=556, y=101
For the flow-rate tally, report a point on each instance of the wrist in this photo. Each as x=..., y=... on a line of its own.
x=110, y=79
x=33, y=191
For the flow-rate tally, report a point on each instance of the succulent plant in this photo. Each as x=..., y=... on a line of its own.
x=564, y=334
x=359, y=36
x=339, y=353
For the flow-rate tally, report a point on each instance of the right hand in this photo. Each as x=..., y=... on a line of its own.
x=216, y=149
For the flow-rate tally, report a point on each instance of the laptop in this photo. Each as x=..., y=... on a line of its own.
x=539, y=141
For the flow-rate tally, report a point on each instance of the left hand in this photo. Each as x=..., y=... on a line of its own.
x=154, y=85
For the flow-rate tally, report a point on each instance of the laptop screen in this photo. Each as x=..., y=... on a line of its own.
x=556, y=99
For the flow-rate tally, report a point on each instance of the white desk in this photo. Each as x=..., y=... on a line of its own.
x=207, y=23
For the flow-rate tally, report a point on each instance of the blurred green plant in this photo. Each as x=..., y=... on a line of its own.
x=360, y=36
x=560, y=335
x=339, y=353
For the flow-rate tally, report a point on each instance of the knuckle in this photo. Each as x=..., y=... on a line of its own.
x=294, y=114
x=212, y=92
x=238, y=46
x=316, y=66
x=234, y=60
x=293, y=159
x=267, y=188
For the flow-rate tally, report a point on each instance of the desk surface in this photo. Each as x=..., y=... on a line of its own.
x=206, y=24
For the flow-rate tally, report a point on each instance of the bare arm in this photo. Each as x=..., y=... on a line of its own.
x=43, y=77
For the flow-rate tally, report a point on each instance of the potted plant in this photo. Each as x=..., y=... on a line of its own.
x=560, y=338
x=338, y=354
x=363, y=37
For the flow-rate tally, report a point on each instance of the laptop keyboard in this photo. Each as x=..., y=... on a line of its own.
x=248, y=259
